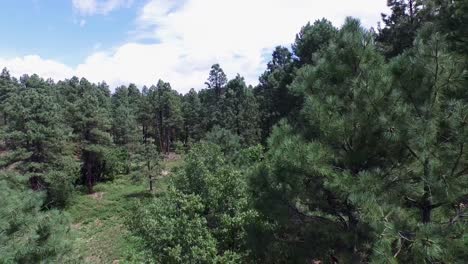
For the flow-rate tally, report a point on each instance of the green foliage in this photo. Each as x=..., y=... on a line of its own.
x=364, y=156
x=172, y=227
x=204, y=216
x=273, y=96
x=7, y=88
x=240, y=110
x=211, y=99
x=401, y=26
x=166, y=109
x=225, y=139
x=124, y=123
x=216, y=80
x=36, y=136
x=148, y=163
x=192, y=117
x=88, y=111
x=450, y=18
x=311, y=39
x=29, y=234
x=100, y=235
x=377, y=159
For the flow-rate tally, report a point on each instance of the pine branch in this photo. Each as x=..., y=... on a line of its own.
x=460, y=214
x=462, y=172
x=412, y=201
x=305, y=218
x=413, y=153
x=405, y=237
x=399, y=249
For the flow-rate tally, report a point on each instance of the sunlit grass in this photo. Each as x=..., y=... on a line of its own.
x=98, y=220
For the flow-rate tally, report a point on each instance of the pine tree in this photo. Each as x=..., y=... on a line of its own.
x=166, y=107
x=29, y=234
x=191, y=109
x=145, y=114
x=7, y=87
x=425, y=193
x=212, y=98
x=124, y=123
x=37, y=136
x=275, y=100
x=378, y=160
x=451, y=19
x=302, y=183
x=90, y=110
x=240, y=111
x=400, y=27
x=311, y=39
x=216, y=80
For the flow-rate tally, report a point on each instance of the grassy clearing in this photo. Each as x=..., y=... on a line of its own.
x=173, y=163
x=98, y=220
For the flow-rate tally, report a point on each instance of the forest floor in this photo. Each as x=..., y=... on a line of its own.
x=98, y=219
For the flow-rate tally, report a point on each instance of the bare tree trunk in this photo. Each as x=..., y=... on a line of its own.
x=148, y=164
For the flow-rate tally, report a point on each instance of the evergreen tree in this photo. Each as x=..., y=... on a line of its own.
x=275, y=100
x=451, y=19
x=338, y=136
x=400, y=27
x=37, y=137
x=148, y=160
x=91, y=118
x=7, y=87
x=424, y=195
x=240, y=111
x=124, y=123
x=29, y=234
x=212, y=98
x=167, y=113
x=145, y=114
x=376, y=161
x=216, y=80
x=311, y=39
x=192, y=117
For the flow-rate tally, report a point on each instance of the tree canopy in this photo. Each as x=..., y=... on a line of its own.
x=352, y=148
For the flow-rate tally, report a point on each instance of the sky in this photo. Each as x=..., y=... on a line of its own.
x=142, y=41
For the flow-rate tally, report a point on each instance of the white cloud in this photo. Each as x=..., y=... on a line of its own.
x=103, y=7
x=35, y=64
x=82, y=23
x=194, y=34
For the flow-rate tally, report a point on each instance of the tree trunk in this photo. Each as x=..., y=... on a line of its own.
x=148, y=164
x=426, y=214
x=161, y=131
x=167, y=141
x=145, y=134
x=90, y=179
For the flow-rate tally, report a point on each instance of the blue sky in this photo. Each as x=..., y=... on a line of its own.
x=56, y=30
x=140, y=41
